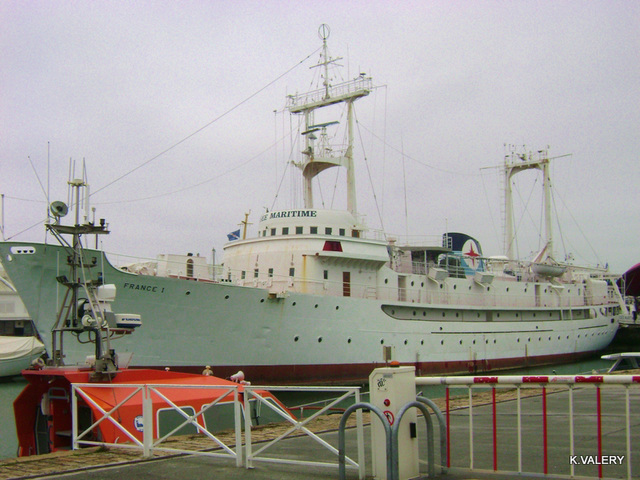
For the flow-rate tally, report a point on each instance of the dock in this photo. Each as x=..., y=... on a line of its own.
x=116, y=464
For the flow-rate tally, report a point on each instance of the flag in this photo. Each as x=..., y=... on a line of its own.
x=233, y=235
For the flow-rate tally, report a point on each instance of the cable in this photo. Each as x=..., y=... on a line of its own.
x=205, y=126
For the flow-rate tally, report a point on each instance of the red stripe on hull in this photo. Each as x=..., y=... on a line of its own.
x=357, y=373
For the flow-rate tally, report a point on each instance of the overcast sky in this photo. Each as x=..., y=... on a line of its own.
x=119, y=83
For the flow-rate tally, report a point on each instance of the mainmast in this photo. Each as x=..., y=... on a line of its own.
x=516, y=163
x=319, y=154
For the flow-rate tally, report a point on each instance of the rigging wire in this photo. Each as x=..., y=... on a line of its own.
x=366, y=162
x=195, y=185
x=207, y=125
x=426, y=165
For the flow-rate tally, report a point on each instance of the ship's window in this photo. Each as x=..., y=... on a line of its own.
x=355, y=234
x=298, y=230
x=292, y=272
x=264, y=234
x=330, y=246
x=271, y=273
x=285, y=230
x=348, y=340
x=243, y=274
x=327, y=230
x=273, y=232
x=326, y=274
x=255, y=273
x=342, y=232
x=313, y=230
x=190, y=267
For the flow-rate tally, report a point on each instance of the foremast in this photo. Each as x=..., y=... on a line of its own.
x=319, y=155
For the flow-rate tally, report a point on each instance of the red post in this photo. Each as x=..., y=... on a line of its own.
x=544, y=430
x=495, y=430
x=448, y=431
x=599, y=408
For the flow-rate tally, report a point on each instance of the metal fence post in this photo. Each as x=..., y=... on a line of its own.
x=147, y=422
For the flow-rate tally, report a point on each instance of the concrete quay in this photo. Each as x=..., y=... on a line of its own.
x=116, y=466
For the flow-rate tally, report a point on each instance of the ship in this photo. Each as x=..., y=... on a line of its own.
x=316, y=296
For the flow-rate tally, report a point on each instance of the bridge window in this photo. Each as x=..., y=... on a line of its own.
x=327, y=230
x=292, y=272
x=342, y=232
x=330, y=246
x=285, y=230
x=255, y=273
x=298, y=230
x=313, y=230
x=273, y=232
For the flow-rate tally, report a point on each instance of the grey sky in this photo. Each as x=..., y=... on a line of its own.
x=117, y=83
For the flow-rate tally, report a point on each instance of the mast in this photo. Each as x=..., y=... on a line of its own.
x=515, y=163
x=319, y=155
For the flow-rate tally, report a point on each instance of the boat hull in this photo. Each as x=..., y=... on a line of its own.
x=17, y=354
x=300, y=338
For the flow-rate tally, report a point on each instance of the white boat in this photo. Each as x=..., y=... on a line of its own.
x=18, y=344
x=315, y=295
x=17, y=354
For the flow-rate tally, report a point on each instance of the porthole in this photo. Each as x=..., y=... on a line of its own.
x=189, y=293
x=507, y=289
x=488, y=289
x=382, y=341
x=226, y=297
x=421, y=342
x=424, y=313
x=455, y=287
x=337, y=307
x=262, y=300
x=441, y=285
x=474, y=342
x=412, y=283
x=422, y=284
x=444, y=314
x=293, y=304
x=441, y=342
x=486, y=342
x=414, y=313
x=460, y=342
x=405, y=341
x=348, y=340
x=315, y=306
x=386, y=280
x=319, y=339
x=457, y=314
x=440, y=328
x=296, y=338
x=518, y=340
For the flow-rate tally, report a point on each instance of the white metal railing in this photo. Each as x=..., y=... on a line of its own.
x=149, y=443
x=572, y=384
x=144, y=396
x=299, y=426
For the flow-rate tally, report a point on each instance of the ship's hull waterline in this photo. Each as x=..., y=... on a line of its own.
x=300, y=338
